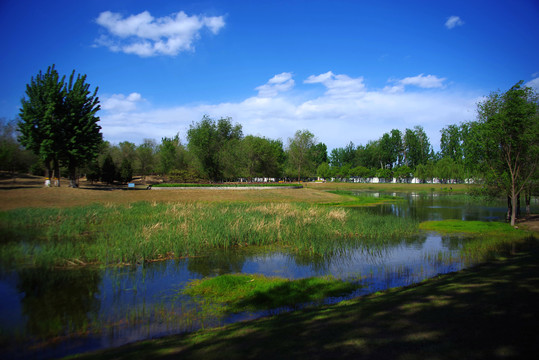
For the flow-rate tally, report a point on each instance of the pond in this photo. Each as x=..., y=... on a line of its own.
x=48, y=313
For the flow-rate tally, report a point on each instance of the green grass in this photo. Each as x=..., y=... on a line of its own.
x=244, y=292
x=139, y=232
x=485, y=312
x=487, y=240
x=469, y=227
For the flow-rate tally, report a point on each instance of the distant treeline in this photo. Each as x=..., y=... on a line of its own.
x=217, y=150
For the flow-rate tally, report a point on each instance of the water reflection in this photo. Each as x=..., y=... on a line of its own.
x=434, y=206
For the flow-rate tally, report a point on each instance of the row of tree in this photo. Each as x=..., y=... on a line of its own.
x=58, y=124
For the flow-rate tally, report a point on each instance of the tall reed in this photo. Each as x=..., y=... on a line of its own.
x=144, y=231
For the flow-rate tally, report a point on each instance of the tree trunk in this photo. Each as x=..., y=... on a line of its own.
x=48, y=173
x=73, y=177
x=518, y=206
x=514, y=203
x=509, y=208
x=56, y=181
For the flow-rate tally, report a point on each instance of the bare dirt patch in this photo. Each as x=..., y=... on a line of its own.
x=30, y=192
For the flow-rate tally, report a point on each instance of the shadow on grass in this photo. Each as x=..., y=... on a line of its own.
x=486, y=312
x=293, y=293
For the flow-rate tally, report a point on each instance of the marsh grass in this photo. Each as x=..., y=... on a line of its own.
x=244, y=292
x=144, y=231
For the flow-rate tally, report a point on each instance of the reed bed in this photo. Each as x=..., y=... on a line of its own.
x=147, y=231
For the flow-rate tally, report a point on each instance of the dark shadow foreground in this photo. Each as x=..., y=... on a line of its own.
x=486, y=312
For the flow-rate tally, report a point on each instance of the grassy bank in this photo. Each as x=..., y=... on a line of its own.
x=233, y=293
x=486, y=239
x=135, y=233
x=485, y=312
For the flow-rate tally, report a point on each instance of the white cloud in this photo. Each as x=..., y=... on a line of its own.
x=453, y=21
x=119, y=103
x=347, y=111
x=534, y=83
x=144, y=35
x=338, y=85
x=277, y=84
x=422, y=81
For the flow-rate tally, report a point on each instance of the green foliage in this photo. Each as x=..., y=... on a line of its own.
x=417, y=147
x=126, y=171
x=171, y=154
x=207, y=140
x=108, y=170
x=81, y=136
x=13, y=157
x=145, y=153
x=298, y=150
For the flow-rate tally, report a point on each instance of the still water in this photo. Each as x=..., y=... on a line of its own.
x=48, y=313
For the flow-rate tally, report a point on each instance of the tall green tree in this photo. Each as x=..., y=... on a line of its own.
x=41, y=115
x=206, y=139
x=508, y=130
x=81, y=133
x=417, y=147
x=451, y=143
x=59, y=122
x=298, y=152
x=145, y=154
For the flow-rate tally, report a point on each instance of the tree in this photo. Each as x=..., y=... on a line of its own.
x=342, y=156
x=12, y=156
x=206, y=139
x=508, y=129
x=108, y=170
x=59, y=122
x=81, y=134
x=451, y=143
x=259, y=157
x=416, y=147
x=145, y=154
x=41, y=112
x=171, y=155
x=298, y=152
x=319, y=154
x=126, y=171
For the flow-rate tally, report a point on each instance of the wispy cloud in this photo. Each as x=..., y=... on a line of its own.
x=347, y=111
x=119, y=103
x=277, y=84
x=144, y=35
x=453, y=21
x=422, y=81
x=339, y=85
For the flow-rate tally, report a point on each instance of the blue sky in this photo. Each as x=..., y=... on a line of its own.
x=345, y=70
